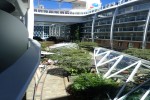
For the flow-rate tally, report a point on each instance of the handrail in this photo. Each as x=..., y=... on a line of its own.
x=37, y=84
x=80, y=13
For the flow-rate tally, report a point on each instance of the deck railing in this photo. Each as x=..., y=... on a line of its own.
x=80, y=13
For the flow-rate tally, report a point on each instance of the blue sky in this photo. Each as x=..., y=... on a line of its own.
x=104, y=2
x=50, y=4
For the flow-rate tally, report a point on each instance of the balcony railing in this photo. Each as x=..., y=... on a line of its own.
x=129, y=29
x=131, y=19
x=134, y=8
x=79, y=13
x=131, y=38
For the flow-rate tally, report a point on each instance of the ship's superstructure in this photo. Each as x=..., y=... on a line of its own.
x=120, y=24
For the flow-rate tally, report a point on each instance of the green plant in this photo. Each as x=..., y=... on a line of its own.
x=45, y=44
x=75, y=61
x=88, y=45
x=141, y=53
x=92, y=86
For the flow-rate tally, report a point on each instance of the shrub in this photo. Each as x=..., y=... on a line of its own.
x=92, y=86
x=88, y=45
x=45, y=44
x=141, y=53
x=74, y=61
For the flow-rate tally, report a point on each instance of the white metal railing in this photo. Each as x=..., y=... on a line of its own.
x=64, y=12
x=81, y=13
x=112, y=64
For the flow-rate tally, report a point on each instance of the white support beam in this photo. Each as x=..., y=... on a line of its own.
x=123, y=70
x=92, y=30
x=112, y=27
x=99, y=63
x=95, y=57
x=124, y=96
x=113, y=67
x=145, y=30
x=98, y=49
x=108, y=61
x=30, y=19
x=101, y=54
x=134, y=71
x=136, y=65
x=148, y=66
x=145, y=95
x=116, y=98
x=129, y=79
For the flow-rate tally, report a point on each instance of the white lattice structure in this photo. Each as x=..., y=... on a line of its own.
x=125, y=68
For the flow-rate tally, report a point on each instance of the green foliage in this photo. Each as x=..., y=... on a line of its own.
x=88, y=45
x=141, y=53
x=92, y=86
x=45, y=44
x=74, y=61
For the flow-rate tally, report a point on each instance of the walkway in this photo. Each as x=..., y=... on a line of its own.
x=54, y=86
x=51, y=86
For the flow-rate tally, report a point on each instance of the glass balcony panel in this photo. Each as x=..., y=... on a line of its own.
x=130, y=28
x=132, y=18
x=122, y=20
x=124, y=29
x=140, y=28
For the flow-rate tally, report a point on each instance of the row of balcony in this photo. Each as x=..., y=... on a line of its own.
x=65, y=12
x=118, y=29
x=129, y=29
x=131, y=19
x=118, y=21
x=134, y=8
x=69, y=12
x=131, y=38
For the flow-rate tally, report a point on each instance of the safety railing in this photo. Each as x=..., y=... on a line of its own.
x=81, y=13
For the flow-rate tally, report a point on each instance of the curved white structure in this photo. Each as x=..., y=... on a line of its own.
x=127, y=69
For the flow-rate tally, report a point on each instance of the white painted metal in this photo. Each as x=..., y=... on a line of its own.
x=30, y=19
x=134, y=71
x=92, y=32
x=124, y=96
x=130, y=78
x=148, y=66
x=136, y=63
x=145, y=30
x=113, y=67
x=108, y=61
x=123, y=69
x=96, y=53
x=145, y=95
x=77, y=13
x=100, y=54
x=98, y=64
x=112, y=28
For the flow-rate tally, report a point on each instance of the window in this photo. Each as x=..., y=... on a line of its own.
x=128, y=9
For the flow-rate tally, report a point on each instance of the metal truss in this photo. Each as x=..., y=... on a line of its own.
x=111, y=64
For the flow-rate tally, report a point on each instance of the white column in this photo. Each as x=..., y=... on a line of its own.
x=145, y=31
x=30, y=19
x=92, y=30
x=49, y=30
x=112, y=28
x=52, y=34
x=59, y=31
x=43, y=32
x=55, y=31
